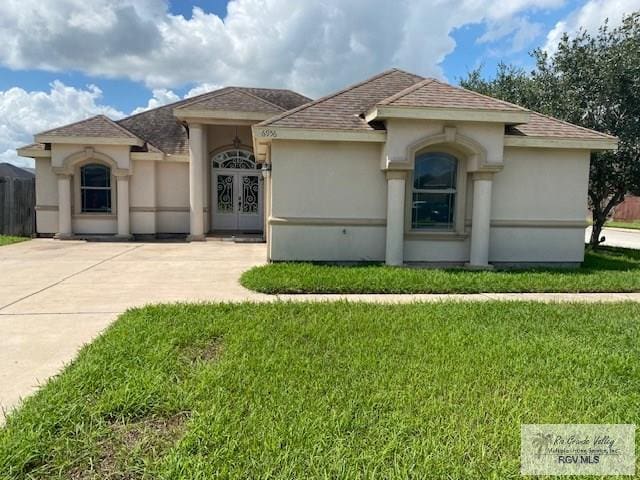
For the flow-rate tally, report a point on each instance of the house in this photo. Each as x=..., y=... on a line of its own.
x=397, y=168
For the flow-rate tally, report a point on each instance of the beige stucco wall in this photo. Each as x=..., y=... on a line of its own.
x=338, y=181
x=543, y=187
x=46, y=198
x=142, y=197
x=173, y=197
x=539, y=200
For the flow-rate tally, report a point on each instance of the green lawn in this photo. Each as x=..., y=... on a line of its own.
x=606, y=270
x=326, y=390
x=9, y=239
x=634, y=225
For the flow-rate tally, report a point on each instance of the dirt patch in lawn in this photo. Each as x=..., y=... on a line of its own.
x=130, y=448
x=207, y=352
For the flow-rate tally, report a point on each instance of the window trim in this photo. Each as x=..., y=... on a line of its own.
x=458, y=228
x=77, y=188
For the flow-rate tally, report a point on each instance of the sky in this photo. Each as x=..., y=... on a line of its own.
x=65, y=60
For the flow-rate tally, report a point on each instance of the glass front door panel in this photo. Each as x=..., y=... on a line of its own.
x=225, y=194
x=250, y=190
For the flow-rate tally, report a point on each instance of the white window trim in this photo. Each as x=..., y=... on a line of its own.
x=77, y=192
x=458, y=229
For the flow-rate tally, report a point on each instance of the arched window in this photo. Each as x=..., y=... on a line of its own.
x=235, y=158
x=434, y=192
x=95, y=188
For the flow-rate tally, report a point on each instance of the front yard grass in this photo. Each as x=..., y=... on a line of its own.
x=9, y=239
x=633, y=225
x=606, y=270
x=326, y=390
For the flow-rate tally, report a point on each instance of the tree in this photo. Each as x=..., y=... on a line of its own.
x=592, y=81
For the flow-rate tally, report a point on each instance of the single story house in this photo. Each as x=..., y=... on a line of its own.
x=397, y=168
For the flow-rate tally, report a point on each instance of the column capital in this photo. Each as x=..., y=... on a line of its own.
x=396, y=174
x=482, y=176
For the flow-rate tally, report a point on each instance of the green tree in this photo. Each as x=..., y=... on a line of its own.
x=592, y=80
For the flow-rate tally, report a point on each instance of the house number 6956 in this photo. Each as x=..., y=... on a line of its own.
x=267, y=132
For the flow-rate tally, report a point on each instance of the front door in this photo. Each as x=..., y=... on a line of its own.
x=236, y=193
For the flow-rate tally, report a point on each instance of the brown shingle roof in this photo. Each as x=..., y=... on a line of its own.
x=161, y=129
x=540, y=125
x=99, y=126
x=342, y=110
x=435, y=94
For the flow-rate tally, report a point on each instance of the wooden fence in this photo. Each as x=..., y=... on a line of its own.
x=17, y=206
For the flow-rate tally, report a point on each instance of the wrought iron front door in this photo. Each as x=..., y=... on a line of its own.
x=236, y=200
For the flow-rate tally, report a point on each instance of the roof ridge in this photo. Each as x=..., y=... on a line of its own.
x=590, y=130
x=70, y=124
x=263, y=100
x=332, y=95
x=211, y=94
x=406, y=91
x=93, y=117
x=458, y=87
x=167, y=105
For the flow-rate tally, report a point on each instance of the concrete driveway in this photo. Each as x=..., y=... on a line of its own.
x=56, y=296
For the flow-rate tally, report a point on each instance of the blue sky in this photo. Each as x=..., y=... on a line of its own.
x=120, y=56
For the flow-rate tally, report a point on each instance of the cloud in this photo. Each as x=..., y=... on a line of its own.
x=590, y=16
x=161, y=96
x=24, y=113
x=260, y=42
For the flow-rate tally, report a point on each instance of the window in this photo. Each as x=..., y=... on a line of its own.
x=95, y=188
x=433, y=198
x=235, y=158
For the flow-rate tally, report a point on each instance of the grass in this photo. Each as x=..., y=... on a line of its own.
x=9, y=239
x=605, y=270
x=634, y=225
x=326, y=390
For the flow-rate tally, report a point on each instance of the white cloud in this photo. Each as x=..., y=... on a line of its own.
x=590, y=16
x=24, y=113
x=313, y=46
x=161, y=96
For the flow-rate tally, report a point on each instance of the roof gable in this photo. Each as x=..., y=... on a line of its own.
x=342, y=110
x=431, y=93
x=99, y=126
x=231, y=99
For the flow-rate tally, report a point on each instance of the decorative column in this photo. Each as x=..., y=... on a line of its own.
x=481, y=220
x=122, y=188
x=64, y=207
x=196, y=210
x=394, y=254
x=266, y=202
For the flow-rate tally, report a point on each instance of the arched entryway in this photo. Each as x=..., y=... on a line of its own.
x=236, y=192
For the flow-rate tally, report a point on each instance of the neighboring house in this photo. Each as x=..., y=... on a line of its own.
x=628, y=210
x=397, y=168
x=8, y=170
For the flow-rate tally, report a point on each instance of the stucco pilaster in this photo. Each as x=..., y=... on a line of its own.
x=64, y=207
x=196, y=174
x=394, y=252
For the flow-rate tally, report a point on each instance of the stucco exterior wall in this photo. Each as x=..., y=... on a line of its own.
x=338, y=182
x=142, y=197
x=538, y=202
x=173, y=197
x=46, y=198
x=537, y=189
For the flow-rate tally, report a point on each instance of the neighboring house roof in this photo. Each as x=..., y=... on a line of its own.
x=161, y=129
x=342, y=110
x=345, y=110
x=9, y=170
x=99, y=126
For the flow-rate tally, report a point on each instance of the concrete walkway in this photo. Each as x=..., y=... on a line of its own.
x=56, y=296
x=618, y=237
